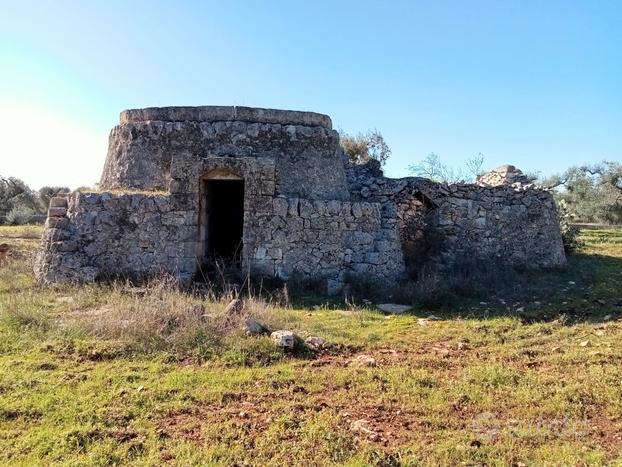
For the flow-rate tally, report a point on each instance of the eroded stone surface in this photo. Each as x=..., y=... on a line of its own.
x=253, y=327
x=315, y=342
x=503, y=175
x=283, y=338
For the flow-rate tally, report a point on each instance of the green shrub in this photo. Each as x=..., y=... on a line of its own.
x=19, y=215
x=570, y=232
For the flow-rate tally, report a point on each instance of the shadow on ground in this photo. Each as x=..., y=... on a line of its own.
x=588, y=289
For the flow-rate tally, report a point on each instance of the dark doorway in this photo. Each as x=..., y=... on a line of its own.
x=420, y=242
x=224, y=203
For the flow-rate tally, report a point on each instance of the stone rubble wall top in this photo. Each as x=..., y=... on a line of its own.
x=503, y=175
x=215, y=113
x=515, y=222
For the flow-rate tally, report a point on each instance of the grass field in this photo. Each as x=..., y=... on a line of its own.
x=103, y=375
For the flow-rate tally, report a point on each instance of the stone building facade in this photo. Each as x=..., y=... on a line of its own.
x=272, y=190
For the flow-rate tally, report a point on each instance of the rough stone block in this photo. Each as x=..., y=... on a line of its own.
x=58, y=202
x=260, y=253
x=66, y=246
x=293, y=207
x=275, y=253
x=281, y=206
x=178, y=186
x=266, y=187
x=56, y=223
x=306, y=208
x=262, y=204
x=57, y=212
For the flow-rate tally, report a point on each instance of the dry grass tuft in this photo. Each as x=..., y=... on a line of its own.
x=160, y=317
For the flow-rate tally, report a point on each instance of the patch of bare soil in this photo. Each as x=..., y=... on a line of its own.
x=183, y=424
x=608, y=432
x=386, y=422
x=386, y=425
x=389, y=424
x=444, y=354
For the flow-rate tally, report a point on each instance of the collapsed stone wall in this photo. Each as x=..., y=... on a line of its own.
x=503, y=175
x=515, y=224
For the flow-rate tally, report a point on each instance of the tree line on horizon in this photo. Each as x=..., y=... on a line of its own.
x=20, y=204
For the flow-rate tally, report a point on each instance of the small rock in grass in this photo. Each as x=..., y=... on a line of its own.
x=253, y=328
x=65, y=300
x=363, y=361
x=423, y=322
x=606, y=317
x=315, y=342
x=584, y=344
x=362, y=427
x=433, y=318
x=283, y=338
x=234, y=307
x=393, y=308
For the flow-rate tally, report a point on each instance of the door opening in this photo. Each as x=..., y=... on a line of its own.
x=224, y=216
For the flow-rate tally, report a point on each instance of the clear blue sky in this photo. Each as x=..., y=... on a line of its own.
x=533, y=83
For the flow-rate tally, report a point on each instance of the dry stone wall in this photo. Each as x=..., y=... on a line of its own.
x=329, y=240
x=92, y=236
x=308, y=213
x=513, y=223
x=105, y=235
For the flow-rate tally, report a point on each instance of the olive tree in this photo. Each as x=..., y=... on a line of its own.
x=432, y=167
x=365, y=146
